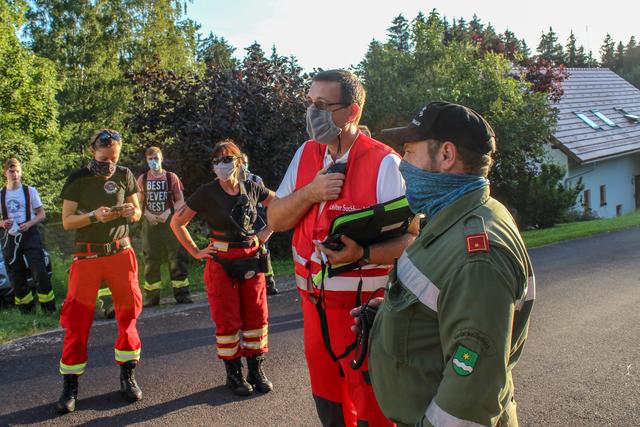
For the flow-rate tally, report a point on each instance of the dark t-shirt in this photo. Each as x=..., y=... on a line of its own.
x=91, y=192
x=214, y=205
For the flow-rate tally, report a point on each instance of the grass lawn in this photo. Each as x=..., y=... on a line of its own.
x=13, y=324
x=574, y=230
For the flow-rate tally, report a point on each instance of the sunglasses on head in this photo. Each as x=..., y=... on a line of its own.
x=224, y=159
x=106, y=136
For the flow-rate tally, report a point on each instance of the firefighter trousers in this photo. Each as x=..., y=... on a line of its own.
x=343, y=396
x=27, y=246
x=238, y=308
x=159, y=244
x=120, y=272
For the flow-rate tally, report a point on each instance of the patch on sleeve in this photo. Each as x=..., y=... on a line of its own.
x=478, y=242
x=464, y=360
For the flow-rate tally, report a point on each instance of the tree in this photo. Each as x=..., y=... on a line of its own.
x=215, y=51
x=572, y=51
x=398, y=33
x=554, y=200
x=631, y=67
x=28, y=110
x=632, y=43
x=469, y=72
x=549, y=49
x=619, y=57
x=93, y=43
x=607, y=52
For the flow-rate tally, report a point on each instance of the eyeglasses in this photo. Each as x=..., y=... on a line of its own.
x=106, y=136
x=323, y=106
x=224, y=159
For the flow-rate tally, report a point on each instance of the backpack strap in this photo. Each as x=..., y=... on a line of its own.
x=27, y=201
x=3, y=202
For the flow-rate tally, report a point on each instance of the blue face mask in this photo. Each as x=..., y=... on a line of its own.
x=154, y=164
x=429, y=192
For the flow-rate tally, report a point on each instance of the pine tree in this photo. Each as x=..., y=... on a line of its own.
x=581, y=58
x=572, y=51
x=398, y=33
x=215, y=51
x=619, y=58
x=632, y=43
x=607, y=52
x=549, y=48
x=592, y=62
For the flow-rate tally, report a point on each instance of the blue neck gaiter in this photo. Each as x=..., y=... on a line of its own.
x=430, y=192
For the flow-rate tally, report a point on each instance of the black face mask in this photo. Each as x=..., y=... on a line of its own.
x=101, y=169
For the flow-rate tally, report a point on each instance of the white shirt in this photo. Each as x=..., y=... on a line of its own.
x=390, y=184
x=16, y=204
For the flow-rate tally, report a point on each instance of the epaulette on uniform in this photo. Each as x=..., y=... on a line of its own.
x=475, y=234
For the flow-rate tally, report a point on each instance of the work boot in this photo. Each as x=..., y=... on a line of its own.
x=67, y=401
x=128, y=385
x=107, y=307
x=256, y=376
x=48, y=307
x=271, y=286
x=182, y=295
x=151, y=298
x=235, y=381
x=27, y=308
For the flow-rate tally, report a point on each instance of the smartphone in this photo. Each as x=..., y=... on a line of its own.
x=116, y=208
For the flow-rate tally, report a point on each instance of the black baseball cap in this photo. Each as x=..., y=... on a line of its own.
x=444, y=121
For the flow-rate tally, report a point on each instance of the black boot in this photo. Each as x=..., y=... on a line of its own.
x=256, y=376
x=151, y=298
x=182, y=295
x=128, y=385
x=48, y=307
x=235, y=380
x=67, y=401
x=271, y=286
x=27, y=308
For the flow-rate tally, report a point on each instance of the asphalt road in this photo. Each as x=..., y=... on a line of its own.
x=580, y=367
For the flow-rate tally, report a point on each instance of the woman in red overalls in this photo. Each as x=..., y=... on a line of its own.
x=235, y=286
x=99, y=203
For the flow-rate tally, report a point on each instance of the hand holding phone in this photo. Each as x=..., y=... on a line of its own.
x=118, y=208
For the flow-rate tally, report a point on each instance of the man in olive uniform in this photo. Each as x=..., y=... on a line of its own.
x=454, y=320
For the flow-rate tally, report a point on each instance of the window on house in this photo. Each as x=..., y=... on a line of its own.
x=618, y=210
x=587, y=120
x=603, y=195
x=586, y=199
x=604, y=118
x=627, y=115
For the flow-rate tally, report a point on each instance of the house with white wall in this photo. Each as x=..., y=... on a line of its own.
x=597, y=140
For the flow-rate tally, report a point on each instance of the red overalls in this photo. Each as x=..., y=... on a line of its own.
x=341, y=393
x=238, y=307
x=87, y=272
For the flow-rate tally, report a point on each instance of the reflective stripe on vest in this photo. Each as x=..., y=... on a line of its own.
x=358, y=192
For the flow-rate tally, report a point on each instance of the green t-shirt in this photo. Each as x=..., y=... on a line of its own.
x=92, y=192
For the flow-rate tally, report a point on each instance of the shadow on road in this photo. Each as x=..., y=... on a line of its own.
x=108, y=402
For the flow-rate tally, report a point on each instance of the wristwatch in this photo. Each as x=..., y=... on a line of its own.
x=92, y=217
x=365, y=256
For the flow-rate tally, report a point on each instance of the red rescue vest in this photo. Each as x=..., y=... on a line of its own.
x=358, y=192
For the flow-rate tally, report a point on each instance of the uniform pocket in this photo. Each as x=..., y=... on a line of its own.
x=398, y=311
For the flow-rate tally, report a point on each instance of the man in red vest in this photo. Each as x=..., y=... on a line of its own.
x=339, y=170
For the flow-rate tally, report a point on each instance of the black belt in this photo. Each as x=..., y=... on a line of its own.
x=243, y=244
x=94, y=250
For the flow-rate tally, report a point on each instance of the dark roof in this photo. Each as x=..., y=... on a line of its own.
x=602, y=90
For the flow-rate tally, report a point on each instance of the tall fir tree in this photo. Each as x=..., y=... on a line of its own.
x=619, y=57
x=572, y=51
x=549, y=49
x=398, y=34
x=607, y=52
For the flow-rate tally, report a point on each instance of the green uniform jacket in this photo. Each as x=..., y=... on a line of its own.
x=454, y=320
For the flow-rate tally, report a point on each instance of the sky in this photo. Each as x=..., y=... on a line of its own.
x=336, y=33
